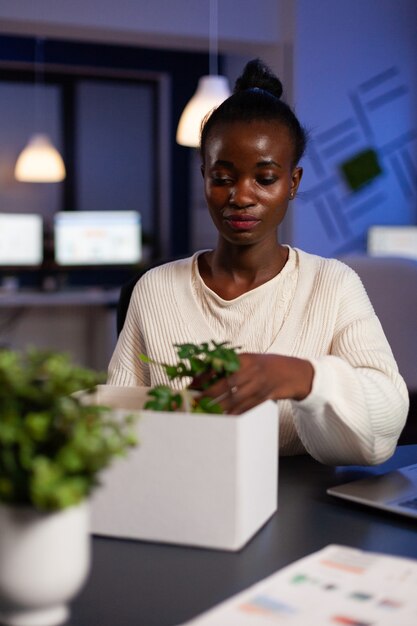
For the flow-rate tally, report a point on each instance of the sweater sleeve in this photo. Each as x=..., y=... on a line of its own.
x=125, y=367
x=359, y=402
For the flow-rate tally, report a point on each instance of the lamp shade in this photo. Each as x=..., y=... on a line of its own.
x=40, y=162
x=211, y=91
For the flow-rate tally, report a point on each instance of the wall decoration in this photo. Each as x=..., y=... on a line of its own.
x=362, y=162
x=361, y=169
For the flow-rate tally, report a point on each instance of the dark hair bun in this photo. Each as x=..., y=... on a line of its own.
x=257, y=96
x=256, y=74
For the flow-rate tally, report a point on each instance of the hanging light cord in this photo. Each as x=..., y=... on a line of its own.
x=39, y=82
x=211, y=91
x=213, y=38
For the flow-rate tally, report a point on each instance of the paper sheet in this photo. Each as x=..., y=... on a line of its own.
x=337, y=586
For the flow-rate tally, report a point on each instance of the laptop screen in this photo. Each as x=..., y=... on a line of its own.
x=97, y=237
x=21, y=240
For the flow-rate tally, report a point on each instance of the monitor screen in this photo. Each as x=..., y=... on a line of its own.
x=393, y=241
x=97, y=237
x=21, y=240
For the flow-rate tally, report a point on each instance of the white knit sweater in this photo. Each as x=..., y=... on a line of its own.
x=358, y=403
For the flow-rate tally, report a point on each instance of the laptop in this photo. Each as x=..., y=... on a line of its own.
x=394, y=491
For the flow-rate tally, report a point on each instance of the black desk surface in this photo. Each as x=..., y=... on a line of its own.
x=143, y=584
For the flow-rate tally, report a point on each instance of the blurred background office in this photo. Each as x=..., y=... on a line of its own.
x=107, y=82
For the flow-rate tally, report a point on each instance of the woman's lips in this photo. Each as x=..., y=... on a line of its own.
x=240, y=222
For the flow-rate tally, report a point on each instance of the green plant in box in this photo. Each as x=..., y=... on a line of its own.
x=53, y=444
x=205, y=362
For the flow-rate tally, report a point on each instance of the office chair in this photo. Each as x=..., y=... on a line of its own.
x=391, y=284
x=124, y=300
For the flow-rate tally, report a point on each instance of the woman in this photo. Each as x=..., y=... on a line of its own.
x=308, y=334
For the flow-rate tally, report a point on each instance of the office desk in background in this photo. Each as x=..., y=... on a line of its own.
x=134, y=583
x=81, y=322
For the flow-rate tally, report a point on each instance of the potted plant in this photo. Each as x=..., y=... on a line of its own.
x=204, y=364
x=53, y=445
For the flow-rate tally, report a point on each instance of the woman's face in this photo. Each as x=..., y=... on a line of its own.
x=249, y=178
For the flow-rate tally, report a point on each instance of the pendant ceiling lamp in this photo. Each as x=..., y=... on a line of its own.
x=39, y=161
x=211, y=91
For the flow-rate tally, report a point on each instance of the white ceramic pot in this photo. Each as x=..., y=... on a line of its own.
x=44, y=561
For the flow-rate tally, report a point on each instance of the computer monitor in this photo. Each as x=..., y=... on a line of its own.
x=97, y=238
x=21, y=240
x=393, y=241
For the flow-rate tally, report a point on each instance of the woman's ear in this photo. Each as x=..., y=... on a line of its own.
x=295, y=180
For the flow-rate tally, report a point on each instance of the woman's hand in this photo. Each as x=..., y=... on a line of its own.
x=262, y=377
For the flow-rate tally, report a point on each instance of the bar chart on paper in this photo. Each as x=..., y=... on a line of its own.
x=335, y=586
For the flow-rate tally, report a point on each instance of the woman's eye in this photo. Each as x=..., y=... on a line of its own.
x=267, y=180
x=221, y=180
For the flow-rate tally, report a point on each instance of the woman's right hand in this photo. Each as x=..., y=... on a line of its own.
x=260, y=377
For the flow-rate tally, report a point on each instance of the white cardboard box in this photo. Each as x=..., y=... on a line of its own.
x=195, y=479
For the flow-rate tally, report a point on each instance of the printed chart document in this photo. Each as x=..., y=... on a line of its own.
x=335, y=586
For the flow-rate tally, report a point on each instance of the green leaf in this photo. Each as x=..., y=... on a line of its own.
x=52, y=444
x=206, y=405
x=37, y=425
x=163, y=398
x=209, y=361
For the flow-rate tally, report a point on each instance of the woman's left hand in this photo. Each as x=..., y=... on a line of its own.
x=262, y=377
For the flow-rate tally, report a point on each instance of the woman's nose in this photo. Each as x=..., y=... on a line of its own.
x=242, y=194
